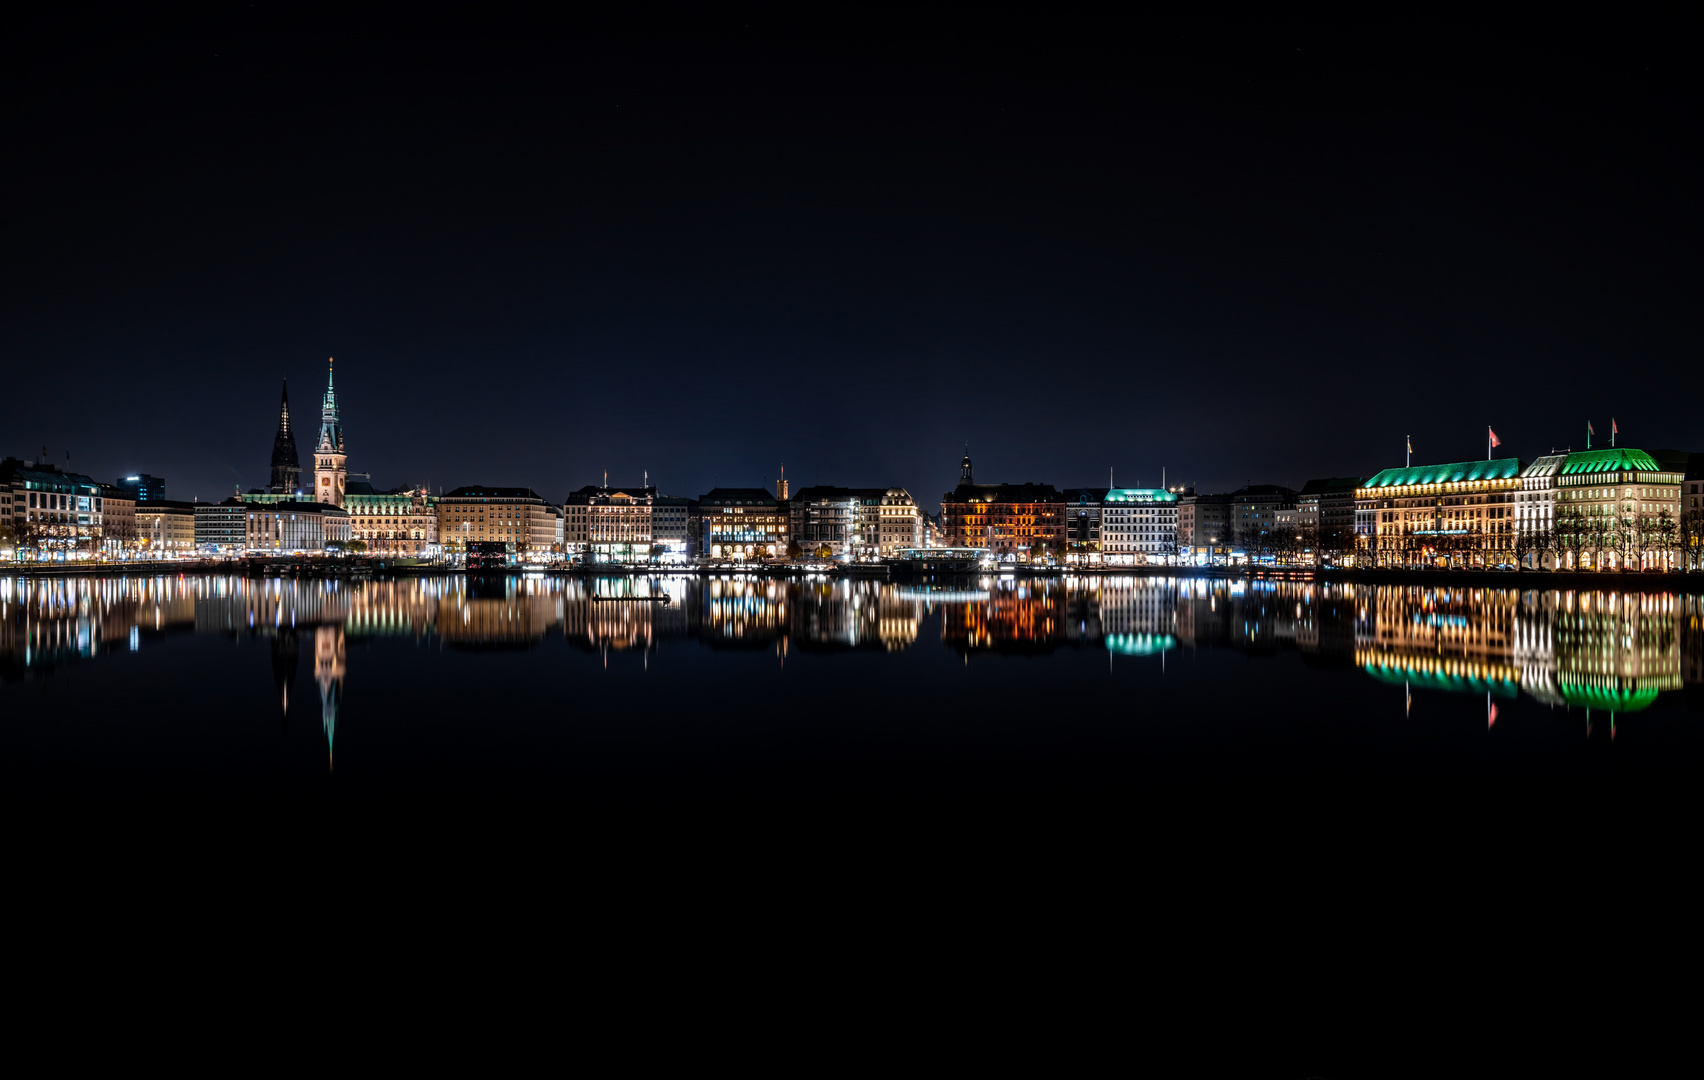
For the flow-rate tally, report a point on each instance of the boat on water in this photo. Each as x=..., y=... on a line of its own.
x=942, y=560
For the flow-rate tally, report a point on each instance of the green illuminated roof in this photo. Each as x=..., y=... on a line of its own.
x=1455, y=684
x=1600, y=697
x=1454, y=473
x=1615, y=459
x=1139, y=644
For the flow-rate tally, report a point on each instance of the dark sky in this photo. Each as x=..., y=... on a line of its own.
x=706, y=243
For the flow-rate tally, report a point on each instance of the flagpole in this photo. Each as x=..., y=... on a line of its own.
x=1408, y=462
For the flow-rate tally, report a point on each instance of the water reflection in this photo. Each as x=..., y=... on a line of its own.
x=1598, y=650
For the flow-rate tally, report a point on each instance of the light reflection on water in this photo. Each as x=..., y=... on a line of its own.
x=1607, y=650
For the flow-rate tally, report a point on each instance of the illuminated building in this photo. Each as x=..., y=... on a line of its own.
x=402, y=522
x=1325, y=512
x=1003, y=519
x=51, y=510
x=1460, y=512
x=1691, y=468
x=825, y=521
x=741, y=523
x=164, y=527
x=289, y=527
x=1082, y=517
x=618, y=524
x=221, y=527
x=671, y=526
x=331, y=470
x=1203, y=523
x=118, y=520
x=286, y=462
x=1618, y=508
x=142, y=487
x=890, y=522
x=577, y=520
x=1254, y=513
x=1535, y=506
x=1139, y=525
x=510, y=515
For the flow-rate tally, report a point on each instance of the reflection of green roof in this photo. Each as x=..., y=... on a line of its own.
x=1607, y=699
x=1615, y=459
x=1454, y=473
x=1455, y=684
x=1139, y=644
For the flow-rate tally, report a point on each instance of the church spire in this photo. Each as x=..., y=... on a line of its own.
x=286, y=463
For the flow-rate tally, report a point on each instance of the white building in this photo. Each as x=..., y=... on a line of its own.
x=1535, y=501
x=671, y=528
x=893, y=522
x=1138, y=526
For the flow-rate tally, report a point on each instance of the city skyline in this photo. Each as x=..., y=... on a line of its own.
x=838, y=248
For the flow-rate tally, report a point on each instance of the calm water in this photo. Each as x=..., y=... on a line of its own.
x=766, y=693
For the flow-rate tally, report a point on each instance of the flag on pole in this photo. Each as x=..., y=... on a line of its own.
x=1410, y=444
x=1495, y=441
x=1589, y=434
x=1490, y=716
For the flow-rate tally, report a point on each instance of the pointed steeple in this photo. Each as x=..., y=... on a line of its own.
x=966, y=475
x=331, y=430
x=286, y=462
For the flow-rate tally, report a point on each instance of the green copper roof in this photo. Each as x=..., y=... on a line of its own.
x=1601, y=697
x=1615, y=459
x=1454, y=473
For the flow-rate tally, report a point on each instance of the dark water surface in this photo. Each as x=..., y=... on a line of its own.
x=1333, y=815
x=747, y=691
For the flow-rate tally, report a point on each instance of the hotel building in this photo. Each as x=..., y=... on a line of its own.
x=1610, y=509
x=1462, y=512
x=618, y=524
x=742, y=523
x=1139, y=525
x=1535, y=504
x=509, y=515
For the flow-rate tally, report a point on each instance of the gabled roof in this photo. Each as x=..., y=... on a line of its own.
x=1456, y=472
x=1548, y=465
x=1615, y=459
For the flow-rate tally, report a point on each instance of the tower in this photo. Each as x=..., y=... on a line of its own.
x=286, y=462
x=781, y=484
x=331, y=472
x=966, y=476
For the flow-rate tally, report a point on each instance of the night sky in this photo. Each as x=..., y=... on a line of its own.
x=708, y=243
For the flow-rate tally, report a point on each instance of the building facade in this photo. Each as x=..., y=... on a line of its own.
x=402, y=522
x=1535, y=511
x=1461, y=513
x=295, y=527
x=671, y=527
x=1204, y=525
x=1082, y=516
x=118, y=521
x=1325, y=513
x=742, y=523
x=618, y=524
x=1140, y=526
x=1618, y=509
x=577, y=521
x=824, y=521
x=165, y=528
x=481, y=512
x=142, y=487
x=54, y=513
x=1005, y=520
x=897, y=523
x=221, y=528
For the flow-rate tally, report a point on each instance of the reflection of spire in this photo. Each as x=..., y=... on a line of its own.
x=285, y=658
x=328, y=670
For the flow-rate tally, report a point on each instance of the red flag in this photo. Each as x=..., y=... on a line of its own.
x=1491, y=718
x=1613, y=429
x=1495, y=441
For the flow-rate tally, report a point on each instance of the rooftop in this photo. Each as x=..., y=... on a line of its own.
x=1456, y=472
x=1615, y=459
